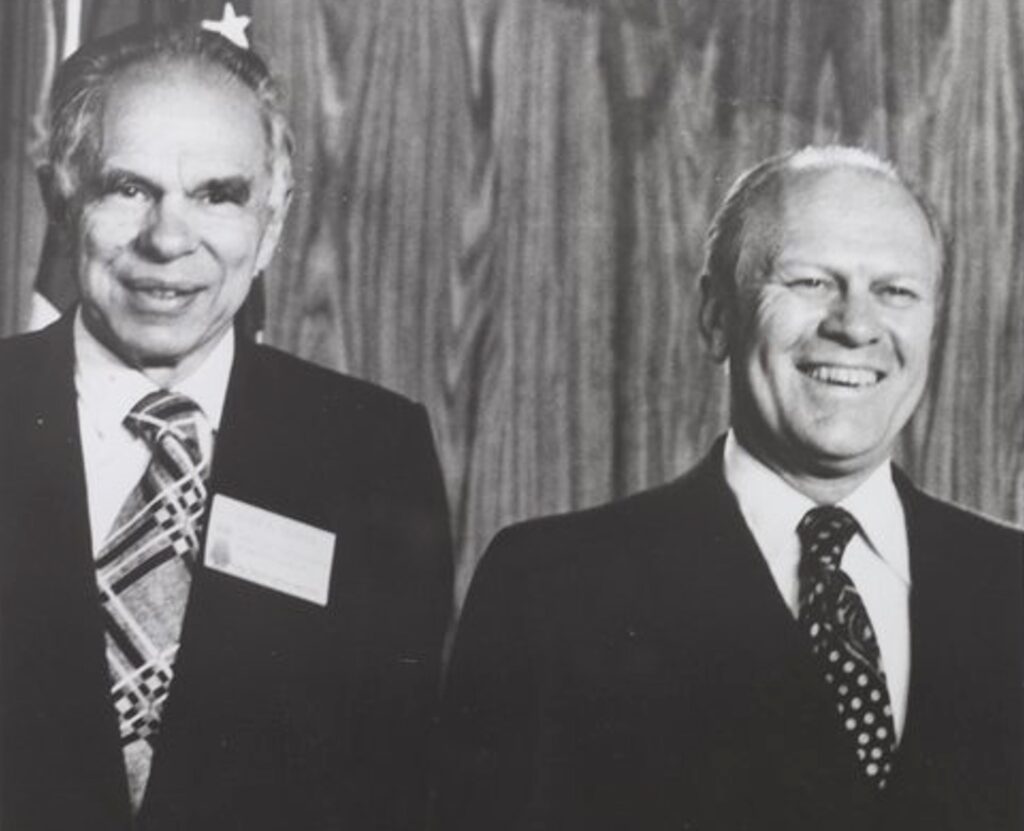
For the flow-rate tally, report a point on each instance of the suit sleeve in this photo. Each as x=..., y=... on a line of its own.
x=411, y=605
x=489, y=714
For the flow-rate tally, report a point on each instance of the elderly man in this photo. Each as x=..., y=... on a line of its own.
x=224, y=573
x=791, y=636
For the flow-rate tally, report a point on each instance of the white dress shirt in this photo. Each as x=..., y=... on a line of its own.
x=876, y=559
x=107, y=389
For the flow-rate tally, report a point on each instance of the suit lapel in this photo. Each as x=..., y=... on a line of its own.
x=216, y=652
x=929, y=627
x=259, y=445
x=727, y=584
x=243, y=646
x=958, y=764
x=777, y=731
x=944, y=651
x=57, y=602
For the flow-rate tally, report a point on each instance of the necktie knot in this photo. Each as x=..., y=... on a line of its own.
x=824, y=533
x=163, y=413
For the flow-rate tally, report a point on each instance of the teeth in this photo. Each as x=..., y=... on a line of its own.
x=163, y=294
x=844, y=376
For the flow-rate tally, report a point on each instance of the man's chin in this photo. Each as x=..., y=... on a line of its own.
x=158, y=355
x=837, y=459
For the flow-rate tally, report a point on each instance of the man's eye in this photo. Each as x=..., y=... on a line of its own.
x=809, y=284
x=898, y=295
x=222, y=196
x=128, y=190
x=214, y=197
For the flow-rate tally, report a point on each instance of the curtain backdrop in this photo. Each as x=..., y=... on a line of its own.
x=501, y=205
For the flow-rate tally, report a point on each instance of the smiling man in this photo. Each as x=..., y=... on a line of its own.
x=224, y=573
x=790, y=636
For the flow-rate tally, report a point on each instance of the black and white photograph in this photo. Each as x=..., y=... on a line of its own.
x=512, y=415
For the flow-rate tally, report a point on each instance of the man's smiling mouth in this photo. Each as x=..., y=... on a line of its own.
x=148, y=296
x=842, y=376
x=160, y=290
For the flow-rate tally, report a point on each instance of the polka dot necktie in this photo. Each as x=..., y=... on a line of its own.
x=843, y=640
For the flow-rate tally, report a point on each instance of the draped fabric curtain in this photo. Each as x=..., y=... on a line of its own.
x=34, y=36
x=501, y=205
x=28, y=51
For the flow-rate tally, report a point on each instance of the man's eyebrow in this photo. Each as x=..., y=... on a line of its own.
x=115, y=177
x=792, y=262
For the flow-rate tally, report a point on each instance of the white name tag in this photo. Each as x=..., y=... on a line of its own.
x=269, y=549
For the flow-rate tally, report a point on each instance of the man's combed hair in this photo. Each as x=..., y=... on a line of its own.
x=82, y=82
x=766, y=179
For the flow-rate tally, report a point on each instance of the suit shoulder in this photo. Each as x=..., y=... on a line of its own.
x=598, y=520
x=958, y=523
x=21, y=353
x=328, y=387
x=613, y=533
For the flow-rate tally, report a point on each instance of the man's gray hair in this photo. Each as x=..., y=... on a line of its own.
x=82, y=82
x=724, y=241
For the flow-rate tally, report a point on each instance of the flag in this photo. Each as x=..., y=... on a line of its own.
x=74, y=22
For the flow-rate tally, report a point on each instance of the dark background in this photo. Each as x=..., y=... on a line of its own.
x=501, y=204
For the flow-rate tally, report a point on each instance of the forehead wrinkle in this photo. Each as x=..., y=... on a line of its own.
x=794, y=182
x=134, y=87
x=168, y=71
x=92, y=147
x=805, y=184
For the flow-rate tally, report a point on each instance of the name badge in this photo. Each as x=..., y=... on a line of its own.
x=268, y=549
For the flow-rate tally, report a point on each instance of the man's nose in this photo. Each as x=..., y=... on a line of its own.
x=168, y=232
x=852, y=318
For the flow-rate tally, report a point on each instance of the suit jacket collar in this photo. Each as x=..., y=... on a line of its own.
x=236, y=632
x=947, y=626
x=720, y=622
x=69, y=676
x=60, y=593
x=941, y=678
x=734, y=552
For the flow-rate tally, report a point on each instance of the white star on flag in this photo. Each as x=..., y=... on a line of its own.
x=231, y=25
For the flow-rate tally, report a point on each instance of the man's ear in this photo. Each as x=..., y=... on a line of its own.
x=272, y=232
x=56, y=204
x=715, y=322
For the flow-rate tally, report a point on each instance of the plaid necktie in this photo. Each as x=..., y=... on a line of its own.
x=144, y=571
x=843, y=640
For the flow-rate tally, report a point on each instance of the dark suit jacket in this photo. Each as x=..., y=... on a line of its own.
x=634, y=667
x=283, y=714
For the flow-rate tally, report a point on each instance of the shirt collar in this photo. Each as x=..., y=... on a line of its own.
x=108, y=388
x=773, y=508
x=879, y=510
